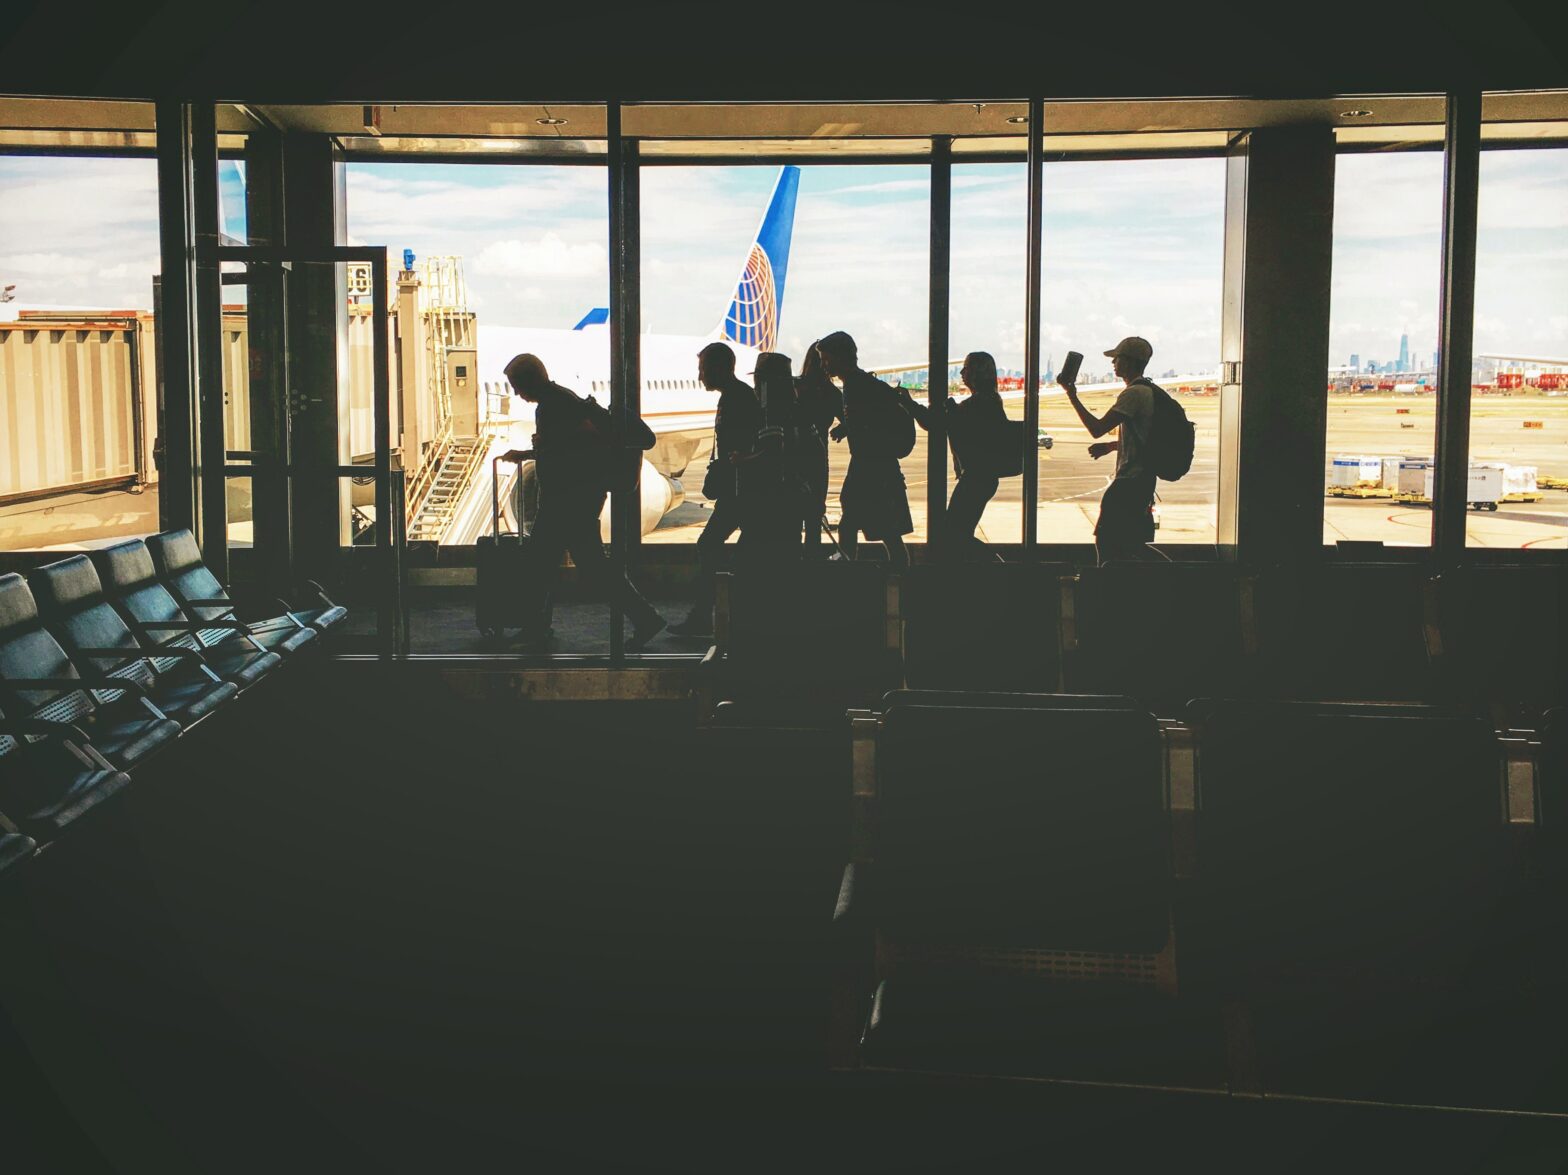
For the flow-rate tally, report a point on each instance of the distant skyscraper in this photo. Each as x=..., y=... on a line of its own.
x=1050, y=368
x=1355, y=362
x=1436, y=357
x=1404, y=352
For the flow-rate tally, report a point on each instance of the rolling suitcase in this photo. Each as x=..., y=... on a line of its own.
x=505, y=580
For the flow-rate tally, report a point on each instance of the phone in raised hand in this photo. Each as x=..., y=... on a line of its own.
x=1069, y=372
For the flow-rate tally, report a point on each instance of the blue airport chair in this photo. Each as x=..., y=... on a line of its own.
x=76, y=611
x=164, y=629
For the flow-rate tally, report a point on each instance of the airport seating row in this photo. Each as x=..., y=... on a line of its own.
x=810, y=640
x=106, y=658
x=1306, y=899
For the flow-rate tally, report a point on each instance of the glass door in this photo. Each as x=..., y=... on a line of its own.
x=309, y=491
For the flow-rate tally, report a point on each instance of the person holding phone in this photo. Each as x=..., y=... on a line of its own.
x=1126, y=523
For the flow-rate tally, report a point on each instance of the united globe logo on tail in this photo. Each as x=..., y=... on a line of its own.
x=753, y=320
x=757, y=304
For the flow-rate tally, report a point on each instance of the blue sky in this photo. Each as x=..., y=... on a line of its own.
x=1130, y=247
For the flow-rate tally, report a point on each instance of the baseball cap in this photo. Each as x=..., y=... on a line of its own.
x=1134, y=348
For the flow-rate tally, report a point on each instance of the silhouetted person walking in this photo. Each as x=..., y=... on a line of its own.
x=817, y=405
x=873, y=500
x=1126, y=524
x=976, y=428
x=736, y=422
x=770, y=484
x=572, y=456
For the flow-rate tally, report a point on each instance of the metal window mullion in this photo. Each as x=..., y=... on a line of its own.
x=1031, y=472
x=211, y=443
x=620, y=373
x=1456, y=322
x=940, y=296
x=176, y=323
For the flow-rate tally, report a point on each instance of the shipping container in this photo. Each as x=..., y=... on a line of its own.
x=77, y=404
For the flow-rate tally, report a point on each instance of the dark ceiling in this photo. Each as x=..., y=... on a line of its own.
x=526, y=50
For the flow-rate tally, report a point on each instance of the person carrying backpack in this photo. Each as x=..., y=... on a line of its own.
x=577, y=464
x=873, y=499
x=1155, y=440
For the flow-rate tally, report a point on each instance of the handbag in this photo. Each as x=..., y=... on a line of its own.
x=719, y=480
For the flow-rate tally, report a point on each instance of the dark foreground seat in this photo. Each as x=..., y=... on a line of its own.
x=1357, y=911
x=802, y=643
x=133, y=587
x=1345, y=631
x=39, y=681
x=982, y=626
x=178, y=561
x=73, y=605
x=1017, y=886
x=1164, y=633
x=1505, y=634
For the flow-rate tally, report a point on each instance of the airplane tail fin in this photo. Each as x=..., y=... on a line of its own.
x=757, y=303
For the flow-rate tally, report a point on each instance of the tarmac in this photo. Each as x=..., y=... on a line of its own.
x=1071, y=482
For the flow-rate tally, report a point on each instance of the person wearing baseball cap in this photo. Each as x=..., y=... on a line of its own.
x=1126, y=523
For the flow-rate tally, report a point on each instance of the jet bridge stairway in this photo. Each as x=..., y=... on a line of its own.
x=452, y=477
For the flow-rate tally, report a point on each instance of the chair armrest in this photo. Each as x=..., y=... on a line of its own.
x=190, y=625
x=712, y=660
x=47, y=727
x=123, y=656
x=54, y=683
x=230, y=608
x=320, y=592
x=176, y=652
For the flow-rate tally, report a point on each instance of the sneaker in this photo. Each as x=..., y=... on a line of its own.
x=695, y=624
x=643, y=633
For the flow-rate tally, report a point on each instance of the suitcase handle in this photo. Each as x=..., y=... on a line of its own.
x=495, y=494
x=495, y=497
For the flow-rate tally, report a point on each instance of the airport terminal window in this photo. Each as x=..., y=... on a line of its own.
x=1130, y=247
x=987, y=307
x=855, y=257
x=79, y=252
x=1518, y=448
x=1381, y=386
x=489, y=260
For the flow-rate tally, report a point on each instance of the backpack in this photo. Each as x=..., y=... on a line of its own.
x=1171, y=437
x=898, y=427
x=617, y=467
x=1008, y=449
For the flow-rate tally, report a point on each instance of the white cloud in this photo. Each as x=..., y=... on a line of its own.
x=58, y=265
x=549, y=256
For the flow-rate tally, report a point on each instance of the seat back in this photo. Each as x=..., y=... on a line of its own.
x=73, y=606
x=177, y=560
x=28, y=650
x=1345, y=631
x=1346, y=841
x=982, y=626
x=995, y=699
x=1159, y=632
x=1504, y=632
x=132, y=585
x=806, y=630
x=1019, y=828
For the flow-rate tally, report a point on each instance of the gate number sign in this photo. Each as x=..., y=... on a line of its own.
x=358, y=278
